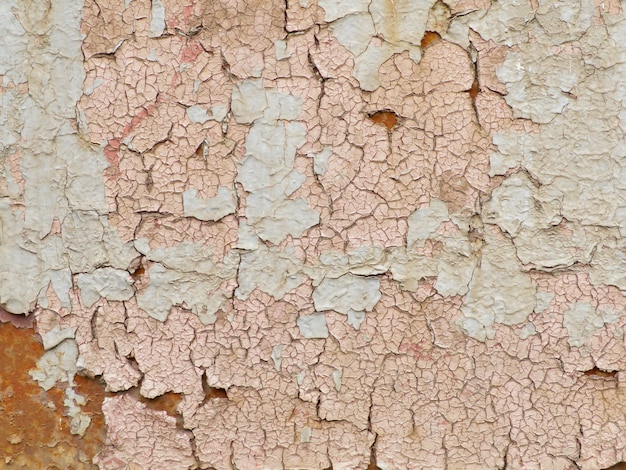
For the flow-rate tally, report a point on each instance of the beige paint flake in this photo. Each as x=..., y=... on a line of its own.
x=374, y=30
x=313, y=326
x=347, y=293
x=344, y=234
x=213, y=209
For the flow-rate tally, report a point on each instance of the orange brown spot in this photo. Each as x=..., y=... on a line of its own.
x=430, y=38
x=386, y=118
x=137, y=273
x=474, y=90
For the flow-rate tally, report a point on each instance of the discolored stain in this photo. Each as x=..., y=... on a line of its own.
x=216, y=393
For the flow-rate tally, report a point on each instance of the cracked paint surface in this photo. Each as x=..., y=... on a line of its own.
x=317, y=233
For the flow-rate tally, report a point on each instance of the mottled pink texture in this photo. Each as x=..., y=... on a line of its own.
x=259, y=99
x=138, y=437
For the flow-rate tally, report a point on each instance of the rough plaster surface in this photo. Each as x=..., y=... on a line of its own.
x=346, y=233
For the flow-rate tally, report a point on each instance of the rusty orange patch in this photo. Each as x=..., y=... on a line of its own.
x=387, y=118
x=34, y=433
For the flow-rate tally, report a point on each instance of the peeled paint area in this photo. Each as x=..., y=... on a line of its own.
x=315, y=234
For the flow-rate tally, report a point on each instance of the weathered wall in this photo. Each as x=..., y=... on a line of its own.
x=343, y=233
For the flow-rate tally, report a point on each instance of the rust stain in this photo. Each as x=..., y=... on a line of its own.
x=430, y=38
x=474, y=90
x=34, y=433
x=385, y=117
x=137, y=273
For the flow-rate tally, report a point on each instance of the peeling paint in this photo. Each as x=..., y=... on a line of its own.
x=317, y=234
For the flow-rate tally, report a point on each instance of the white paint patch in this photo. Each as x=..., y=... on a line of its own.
x=214, y=208
x=313, y=326
x=277, y=353
x=527, y=331
x=219, y=112
x=518, y=204
x=355, y=318
x=582, y=320
x=320, y=160
x=79, y=421
x=423, y=223
x=56, y=336
x=197, y=114
x=56, y=365
x=271, y=270
x=334, y=9
x=490, y=298
x=354, y=32
x=348, y=292
x=266, y=171
x=169, y=287
x=157, y=19
x=337, y=375
x=62, y=174
x=543, y=300
x=181, y=274
x=110, y=283
x=375, y=30
x=280, y=48
x=305, y=435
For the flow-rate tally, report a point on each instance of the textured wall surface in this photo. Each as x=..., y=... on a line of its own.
x=316, y=234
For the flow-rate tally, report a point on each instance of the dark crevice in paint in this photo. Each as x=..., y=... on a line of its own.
x=475, y=89
x=167, y=402
x=211, y=392
x=600, y=373
x=372, y=464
